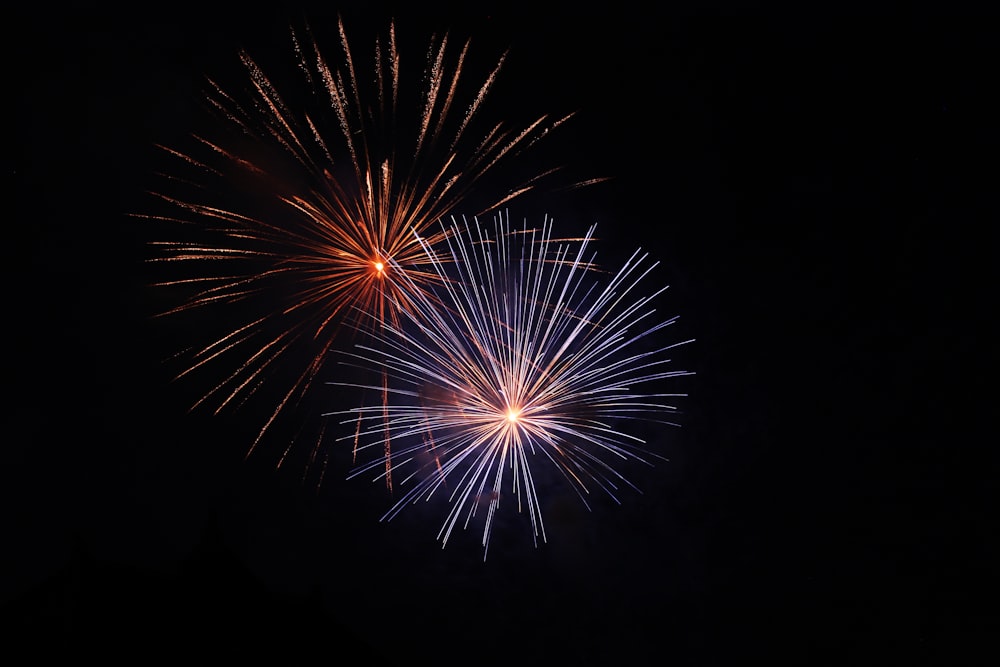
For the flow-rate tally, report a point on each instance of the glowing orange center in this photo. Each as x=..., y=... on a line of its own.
x=513, y=414
x=379, y=267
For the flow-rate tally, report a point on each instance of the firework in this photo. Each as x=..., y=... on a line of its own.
x=521, y=361
x=284, y=218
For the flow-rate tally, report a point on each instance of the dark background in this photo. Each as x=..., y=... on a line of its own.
x=821, y=192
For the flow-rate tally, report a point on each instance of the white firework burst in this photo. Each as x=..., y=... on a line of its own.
x=526, y=355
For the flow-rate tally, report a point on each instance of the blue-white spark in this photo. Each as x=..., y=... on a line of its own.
x=522, y=357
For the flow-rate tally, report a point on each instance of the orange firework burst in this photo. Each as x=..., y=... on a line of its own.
x=292, y=213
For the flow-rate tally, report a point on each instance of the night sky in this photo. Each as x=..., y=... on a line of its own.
x=820, y=192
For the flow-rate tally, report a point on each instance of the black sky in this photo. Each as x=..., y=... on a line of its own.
x=820, y=192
